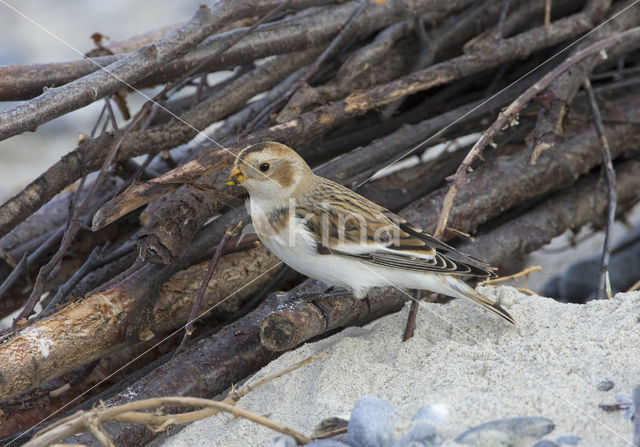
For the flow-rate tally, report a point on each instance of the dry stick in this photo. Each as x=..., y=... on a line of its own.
x=235, y=396
x=410, y=327
x=97, y=258
x=547, y=13
x=333, y=47
x=14, y=275
x=302, y=317
x=525, y=272
x=509, y=114
x=604, y=286
x=205, y=282
x=131, y=412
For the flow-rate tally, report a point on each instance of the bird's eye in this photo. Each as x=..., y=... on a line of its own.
x=264, y=167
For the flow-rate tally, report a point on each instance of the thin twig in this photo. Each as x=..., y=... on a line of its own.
x=547, y=13
x=235, y=396
x=97, y=258
x=13, y=276
x=509, y=117
x=205, y=282
x=526, y=272
x=635, y=286
x=134, y=412
x=604, y=286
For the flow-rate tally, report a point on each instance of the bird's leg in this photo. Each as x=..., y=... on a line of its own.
x=411, y=319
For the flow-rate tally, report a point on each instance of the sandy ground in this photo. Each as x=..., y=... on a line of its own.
x=473, y=364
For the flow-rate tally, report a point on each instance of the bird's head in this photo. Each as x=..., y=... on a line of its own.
x=270, y=171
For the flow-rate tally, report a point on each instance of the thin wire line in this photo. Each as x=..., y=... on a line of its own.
x=142, y=354
x=500, y=356
x=417, y=146
x=106, y=70
x=279, y=263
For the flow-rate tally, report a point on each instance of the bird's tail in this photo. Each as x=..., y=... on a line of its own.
x=469, y=292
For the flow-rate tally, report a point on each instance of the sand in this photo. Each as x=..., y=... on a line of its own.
x=471, y=364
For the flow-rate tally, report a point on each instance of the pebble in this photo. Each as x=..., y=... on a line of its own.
x=512, y=432
x=605, y=385
x=568, y=440
x=545, y=443
x=326, y=443
x=421, y=434
x=436, y=414
x=370, y=423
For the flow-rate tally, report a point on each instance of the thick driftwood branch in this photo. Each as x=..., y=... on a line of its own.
x=302, y=317
x=581, y=204
x=18, y=82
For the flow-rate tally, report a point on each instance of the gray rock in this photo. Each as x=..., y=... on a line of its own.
x=421, y=434
x=370, y=423
x=568, y=440
x=511, y=432
x=579, y=282
x=436, y=414
x=326, y=443
x=605, y=385
x=545, y=443
x=283, y=441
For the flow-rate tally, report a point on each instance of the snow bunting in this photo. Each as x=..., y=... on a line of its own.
x=328, y=232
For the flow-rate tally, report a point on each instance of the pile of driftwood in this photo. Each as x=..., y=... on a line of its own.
x=354, y=86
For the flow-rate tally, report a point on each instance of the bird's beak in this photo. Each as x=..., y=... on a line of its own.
x=235, y=177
